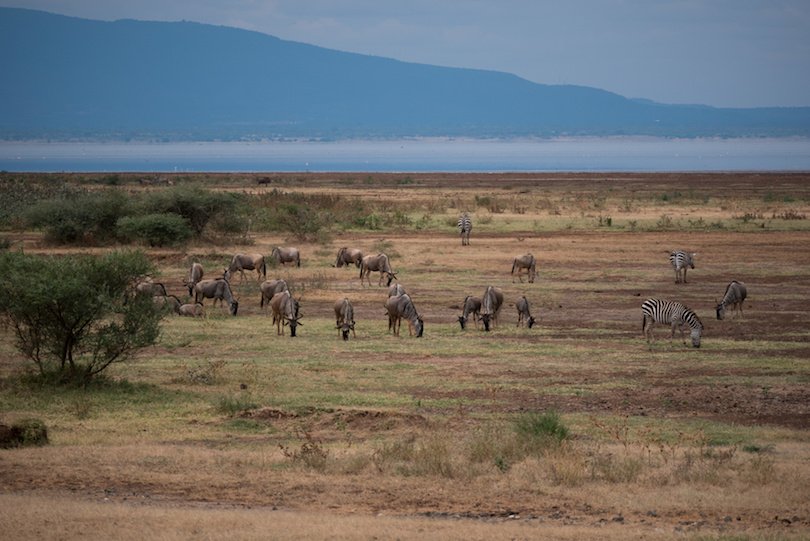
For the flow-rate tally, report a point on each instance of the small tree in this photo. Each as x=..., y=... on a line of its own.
x=74, y=316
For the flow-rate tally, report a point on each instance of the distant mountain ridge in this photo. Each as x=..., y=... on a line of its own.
x=69, y=78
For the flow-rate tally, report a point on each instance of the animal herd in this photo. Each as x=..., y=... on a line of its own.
x=399, y=305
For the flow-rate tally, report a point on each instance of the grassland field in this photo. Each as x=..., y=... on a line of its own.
x=225, y=429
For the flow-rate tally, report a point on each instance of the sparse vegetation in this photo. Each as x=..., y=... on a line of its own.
x=460, y=424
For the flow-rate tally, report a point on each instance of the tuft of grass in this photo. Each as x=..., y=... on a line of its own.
x=234, y=405
x=541, y=429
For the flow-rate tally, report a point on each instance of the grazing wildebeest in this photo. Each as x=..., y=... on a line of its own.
x=524, y=312
x=344, y=318
x=188, y=309
x=270, y=288
x=349, y=256
x=285, y=312
x=395, y=290
x=680, y=261
x=195, y=274
x=218, y=289
x=525, y=262
x=286, y=255
x=153, y=289
x=659, y=311
x=402, y=307
x=379, y=263
x=736, y=292
x=242, y=262
x=491, y=303
x=472, y=305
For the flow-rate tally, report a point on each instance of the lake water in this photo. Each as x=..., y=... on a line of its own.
x=416, y=155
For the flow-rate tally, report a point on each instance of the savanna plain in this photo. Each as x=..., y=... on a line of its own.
x=573, y=429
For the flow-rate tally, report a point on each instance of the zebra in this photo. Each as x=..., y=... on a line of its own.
x=659, y=311
x=464, y=228
x=680, y=261
x=736, y=292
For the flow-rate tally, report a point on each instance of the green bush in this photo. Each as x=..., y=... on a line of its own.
x=196, y=206
x=23, y=433
x=73, y=316
x=153, y=229
x=87, y=218
x=541, y=428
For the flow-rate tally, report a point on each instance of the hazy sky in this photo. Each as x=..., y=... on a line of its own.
x=727, y=53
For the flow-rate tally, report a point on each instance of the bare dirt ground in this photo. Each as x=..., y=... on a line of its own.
x=595, y=276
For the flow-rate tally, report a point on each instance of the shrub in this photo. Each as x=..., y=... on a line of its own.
x=23, y=433
x=153, y=229
x=73, y=316
x=197, y=207
x=87, y=218
x=541, y=429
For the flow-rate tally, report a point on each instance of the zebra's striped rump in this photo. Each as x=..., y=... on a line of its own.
x=680, y=261
x=464, y=228
x=676, y=314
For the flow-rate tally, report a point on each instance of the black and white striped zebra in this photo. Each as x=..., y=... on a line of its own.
x=464, y=228
x=680, y=261
x=736, y=292
x=676, y=314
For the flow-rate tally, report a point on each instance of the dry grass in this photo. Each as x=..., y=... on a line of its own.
x=225, y=428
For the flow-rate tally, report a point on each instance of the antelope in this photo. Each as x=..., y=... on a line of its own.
x=218, y=289
x=285, y=312
x=525, y=262
x=242, y=262
x=348, y=256
x=524, y=313
x=195, y=274
x=379, y=263
x=270, y=288
x=491, y=304
x=395, y=290
x=402, y=307
x=286, y=255
x=344, y=318
x=154, y=289
x=735, y=294
x=472, y=305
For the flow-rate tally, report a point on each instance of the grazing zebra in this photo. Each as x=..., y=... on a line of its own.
x=680, y=262
x=464, y=228
x=736, y=293
x=659, y=311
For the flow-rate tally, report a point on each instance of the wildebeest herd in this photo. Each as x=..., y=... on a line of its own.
x=399, y=305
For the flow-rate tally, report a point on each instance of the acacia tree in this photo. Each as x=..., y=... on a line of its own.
x=73, y=316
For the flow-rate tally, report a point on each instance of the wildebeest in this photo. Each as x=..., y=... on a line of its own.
x=286, y=255
x=285, y=312
x=525, y=262
x=402, y=307
x=344, y=318
x=524, y=312
x=491, y=303
x=735, y=294
x=150, y=288
x=395, y=290
x=270, y=288
x=218, y=289
x=243, y=262
x=379, y=262
x=188, y=309
x=472, y=305
x=349, y=256
x=195, y=274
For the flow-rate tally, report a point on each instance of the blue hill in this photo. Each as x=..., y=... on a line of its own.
x=68, y=78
